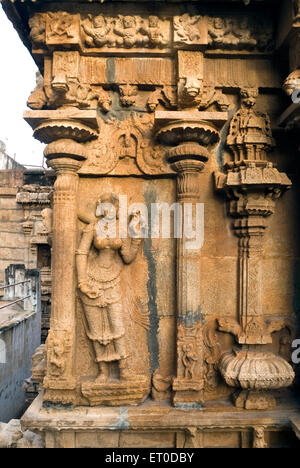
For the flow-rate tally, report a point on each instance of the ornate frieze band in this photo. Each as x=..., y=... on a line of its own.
x=103, y=33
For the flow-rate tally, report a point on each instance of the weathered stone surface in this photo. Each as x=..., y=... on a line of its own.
x=155, y=425
x=148, y=107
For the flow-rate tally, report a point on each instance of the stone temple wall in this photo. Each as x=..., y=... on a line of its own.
x=163, y=339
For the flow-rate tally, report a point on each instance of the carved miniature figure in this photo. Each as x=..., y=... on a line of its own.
x=38, y=99
x=100, y=260
x=128, y=31
x=128, y=95
x=69, y=92
x=37, y=24
x=154, y=37
x=61, y=24
x=187, y=28
x=189, y=359
x=47, y=216
x=154, y=99
x=104, y=100
x=259, y=438
x=251, y=126
x=97, y=35
x=56, y=358
x=237, y=33
x=220, y=32
x=264, y=33
x=212, y=354
x=243, y=33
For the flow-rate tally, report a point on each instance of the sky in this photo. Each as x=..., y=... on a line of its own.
x=17, y=80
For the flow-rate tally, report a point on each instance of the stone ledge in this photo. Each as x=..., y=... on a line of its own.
x=152, y=415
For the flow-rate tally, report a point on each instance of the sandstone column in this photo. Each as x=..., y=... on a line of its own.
x=191, y=140
x=252, y=185
x=65, y=131
x=60, y=382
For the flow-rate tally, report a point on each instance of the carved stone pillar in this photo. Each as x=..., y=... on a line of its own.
x=188, y=160
x=189, y=382
x=60, y=383
x=252, y=185
x=65, y=134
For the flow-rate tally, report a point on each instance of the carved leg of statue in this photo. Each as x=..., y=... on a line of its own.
x=103, y=372
x=116, y=322
x=115, y=314
x=95, y=317
x=125, y=373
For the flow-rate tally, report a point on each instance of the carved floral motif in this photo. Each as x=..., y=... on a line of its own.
x=128, y=142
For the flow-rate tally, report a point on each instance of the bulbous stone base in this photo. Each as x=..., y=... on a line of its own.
x=256, y=372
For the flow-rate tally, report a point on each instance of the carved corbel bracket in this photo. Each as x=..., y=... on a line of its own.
x=257, y=333
x=252, y=190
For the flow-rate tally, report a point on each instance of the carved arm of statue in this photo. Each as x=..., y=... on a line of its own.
x=119, y=28
x=88, y=30
x=82, y=258
x=131, y=245
x=129, y=250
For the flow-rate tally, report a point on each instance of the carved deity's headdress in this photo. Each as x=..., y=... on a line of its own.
x=106, y=198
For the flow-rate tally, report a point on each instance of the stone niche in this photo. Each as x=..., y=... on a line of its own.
x=154, y=343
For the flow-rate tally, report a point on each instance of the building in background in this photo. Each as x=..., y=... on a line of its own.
x=20, y=325
x=25, y=224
